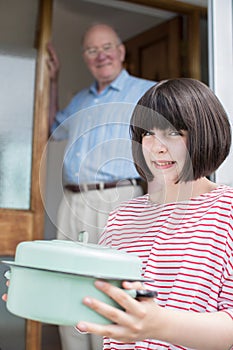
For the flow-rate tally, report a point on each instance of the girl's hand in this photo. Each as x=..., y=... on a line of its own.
x=4, y=296
x=132, y=324
x=144, y=319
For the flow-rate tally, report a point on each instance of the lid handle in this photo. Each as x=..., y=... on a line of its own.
x=83, y=237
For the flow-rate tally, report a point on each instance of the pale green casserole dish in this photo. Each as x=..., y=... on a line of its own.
x=48, y=279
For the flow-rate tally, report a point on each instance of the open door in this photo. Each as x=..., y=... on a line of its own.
x=156, y=54
x=191, y=39
x=24, y=131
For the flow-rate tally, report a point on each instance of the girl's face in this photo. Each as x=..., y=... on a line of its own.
x=165, y=153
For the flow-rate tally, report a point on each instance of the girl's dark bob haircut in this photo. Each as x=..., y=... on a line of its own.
x=183, y=104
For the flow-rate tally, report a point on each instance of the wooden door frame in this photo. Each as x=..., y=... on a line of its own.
x=194, y=14
x=40, y=139
x=23, y=225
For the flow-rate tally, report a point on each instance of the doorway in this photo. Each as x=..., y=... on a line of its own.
x=69, y=22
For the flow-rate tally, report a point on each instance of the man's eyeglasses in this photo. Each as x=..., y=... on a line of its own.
x=92, y=52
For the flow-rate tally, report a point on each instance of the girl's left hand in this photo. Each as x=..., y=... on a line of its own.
x=131, y=324
x=4, y=296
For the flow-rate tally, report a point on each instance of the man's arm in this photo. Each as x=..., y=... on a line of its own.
x=53, y=66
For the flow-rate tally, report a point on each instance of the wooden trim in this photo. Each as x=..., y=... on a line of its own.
x=15, y=226
x=33, y=329
x=41, y=118
x=171, y=6
x=194, y=46
x=33, y=335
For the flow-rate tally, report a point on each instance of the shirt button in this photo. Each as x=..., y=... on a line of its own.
x=96, y=100
x=78, y=154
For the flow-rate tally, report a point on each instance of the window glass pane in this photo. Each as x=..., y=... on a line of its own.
x=18, y=22
x=16, y=111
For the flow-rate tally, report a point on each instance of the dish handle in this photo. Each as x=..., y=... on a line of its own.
x=142, y=293
x=7, y=274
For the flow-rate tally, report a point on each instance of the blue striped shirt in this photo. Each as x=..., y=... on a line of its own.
x=96, y=126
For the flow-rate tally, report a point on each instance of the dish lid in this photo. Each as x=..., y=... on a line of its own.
x=13, y=264
x=78, y=258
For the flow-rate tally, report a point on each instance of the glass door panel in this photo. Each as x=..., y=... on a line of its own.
x=17, y=74
x=18, y=28
x=18, y=58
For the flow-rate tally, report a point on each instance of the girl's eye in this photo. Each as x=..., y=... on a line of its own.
x=166, y=133
x=148, y=133
x=175, y=133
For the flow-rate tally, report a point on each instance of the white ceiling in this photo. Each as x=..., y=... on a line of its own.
x=129, y=19
x=16, y=25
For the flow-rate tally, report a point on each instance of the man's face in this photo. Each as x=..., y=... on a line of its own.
x=103, y=54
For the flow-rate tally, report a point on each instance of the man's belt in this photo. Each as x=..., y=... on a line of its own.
x=103, y=185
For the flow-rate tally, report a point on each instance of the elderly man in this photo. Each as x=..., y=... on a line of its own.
x=98, y=170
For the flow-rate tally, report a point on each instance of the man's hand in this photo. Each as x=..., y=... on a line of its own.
x=53, y=63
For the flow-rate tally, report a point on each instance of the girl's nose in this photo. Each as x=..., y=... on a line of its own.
x=158, y=145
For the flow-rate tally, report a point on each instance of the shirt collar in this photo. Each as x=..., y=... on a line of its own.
x=117, y=84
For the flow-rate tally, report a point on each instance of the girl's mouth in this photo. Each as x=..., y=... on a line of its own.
x=163, y=164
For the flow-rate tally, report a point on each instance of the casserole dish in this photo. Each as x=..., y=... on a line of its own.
x=49, y=279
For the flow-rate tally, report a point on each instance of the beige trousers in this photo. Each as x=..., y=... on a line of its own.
x=88, y=211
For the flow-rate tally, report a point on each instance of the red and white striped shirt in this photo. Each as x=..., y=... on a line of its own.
x=185, y=247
